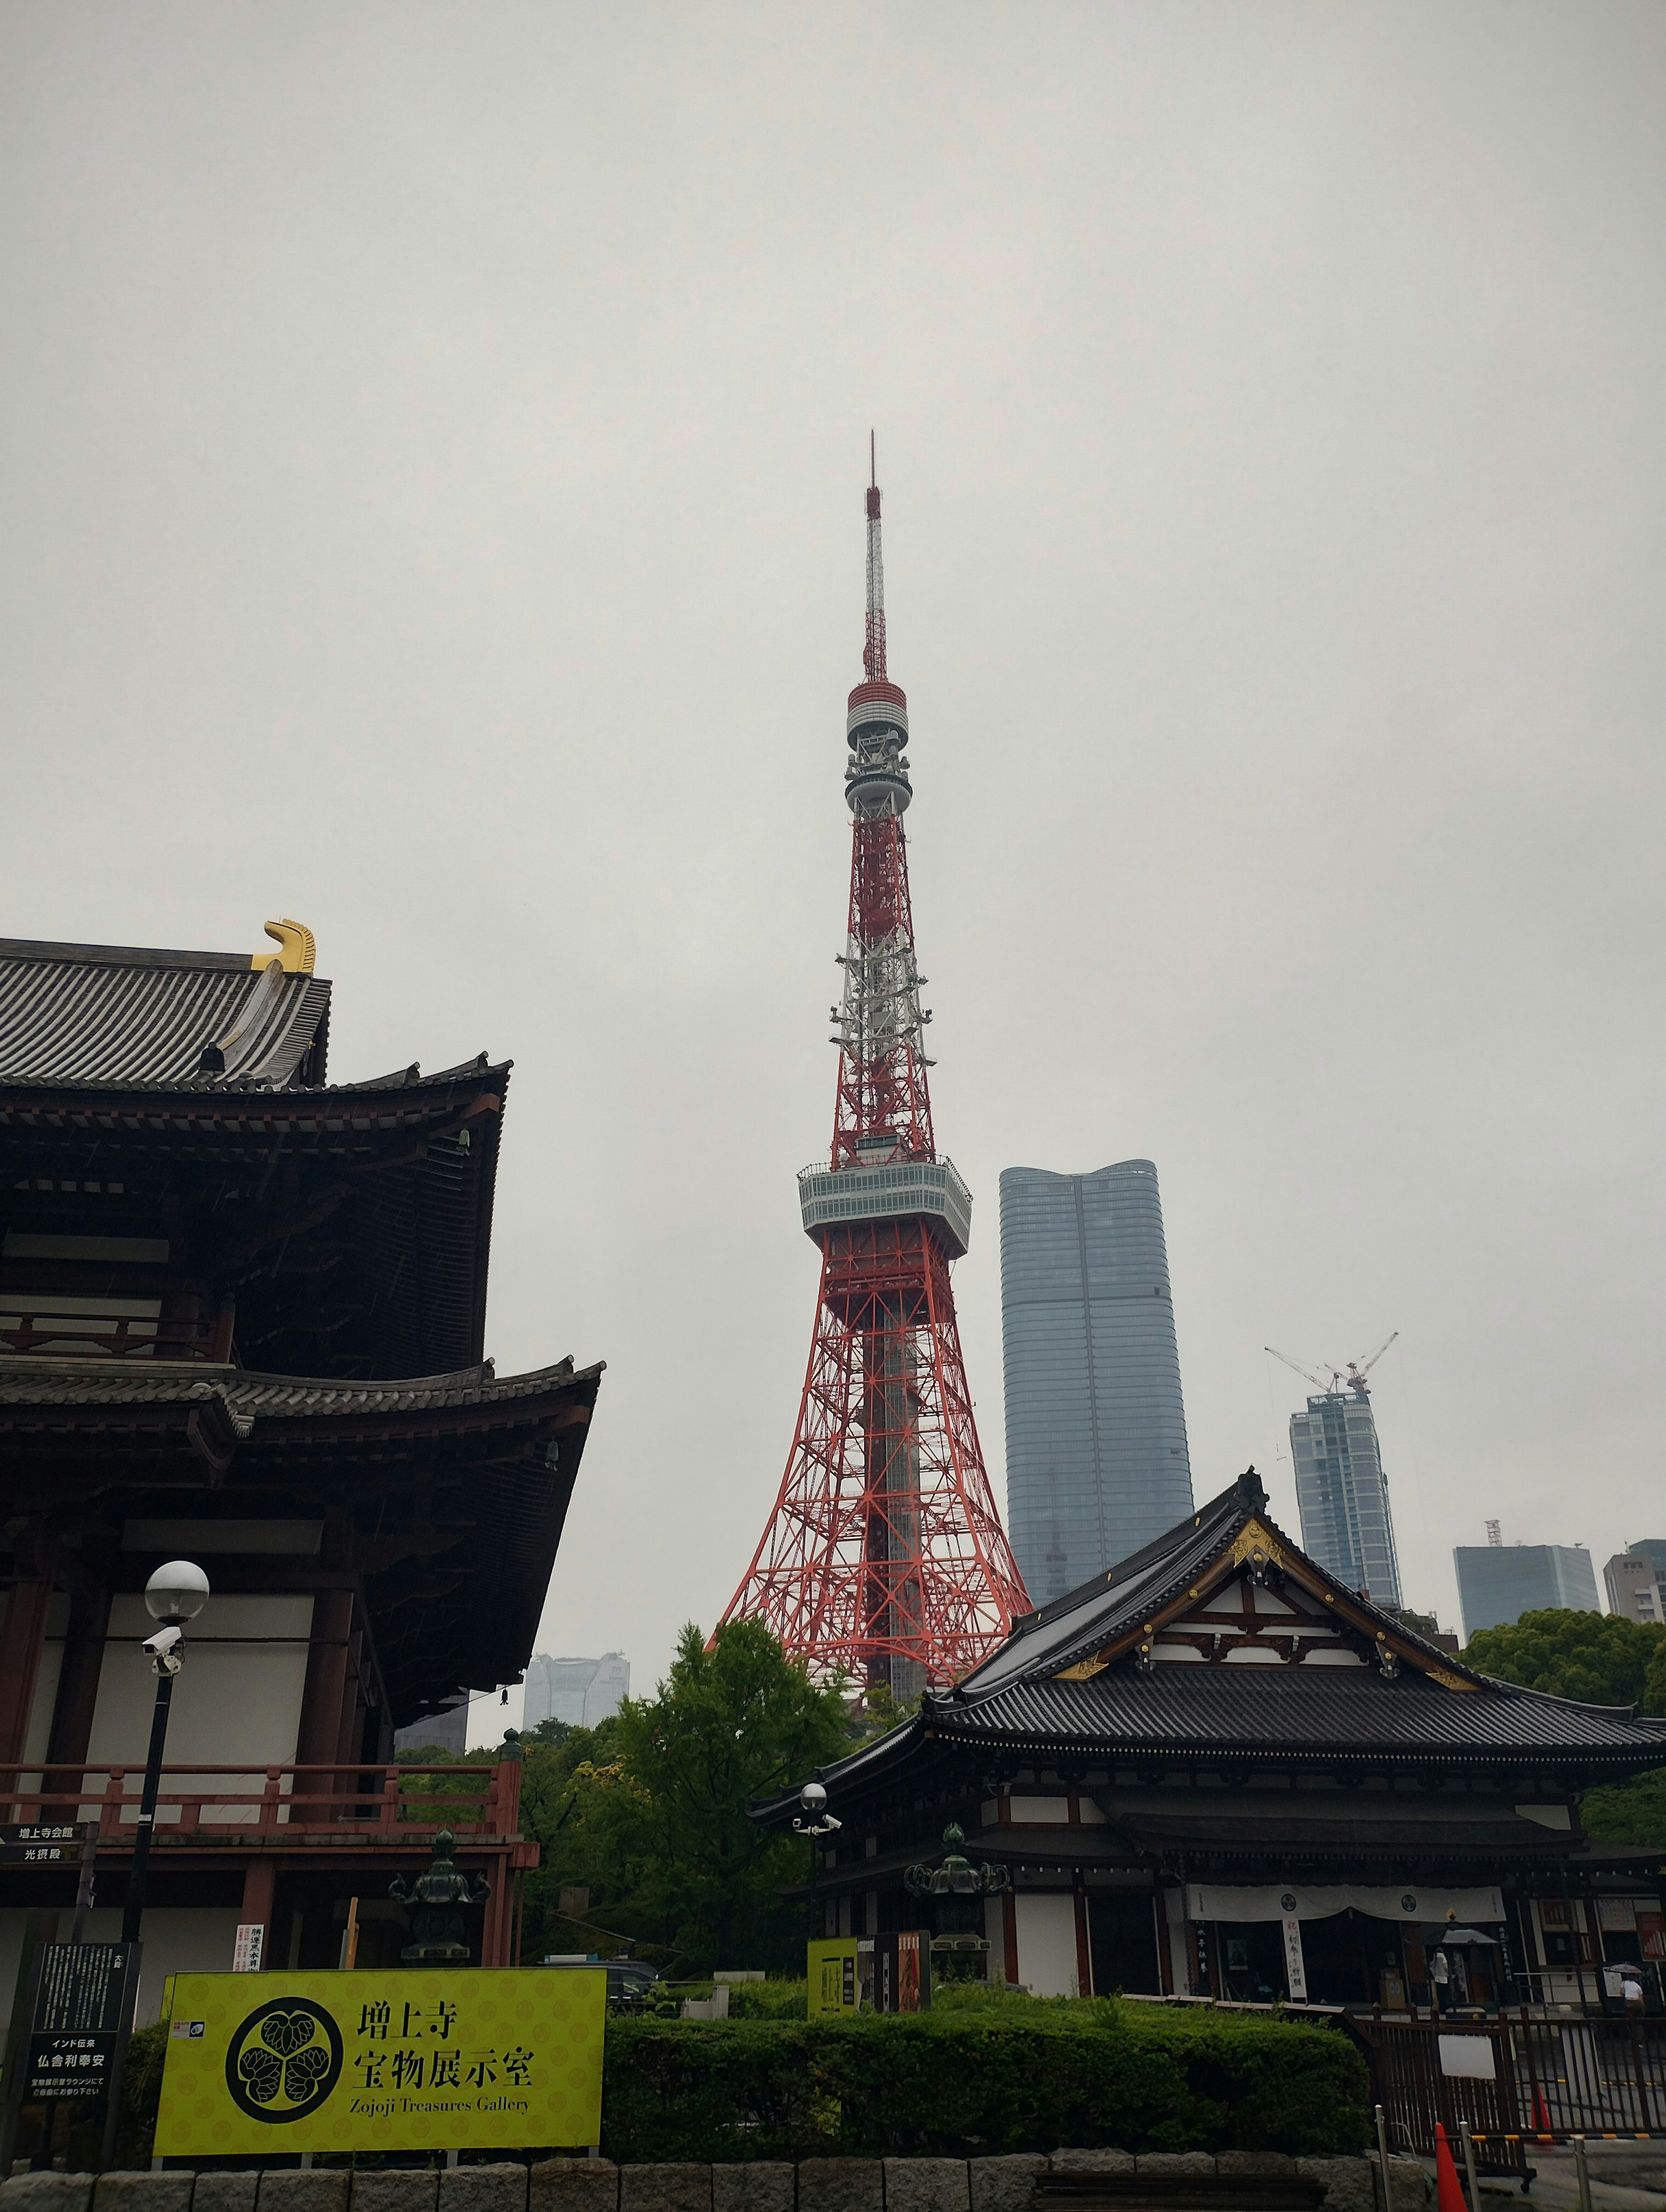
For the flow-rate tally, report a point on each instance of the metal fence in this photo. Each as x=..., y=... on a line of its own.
x=1517, y=2080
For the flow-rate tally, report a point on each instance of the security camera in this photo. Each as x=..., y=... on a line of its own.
x=159, y=1645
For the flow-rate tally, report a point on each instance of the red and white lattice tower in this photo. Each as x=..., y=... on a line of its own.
x=885, y=1558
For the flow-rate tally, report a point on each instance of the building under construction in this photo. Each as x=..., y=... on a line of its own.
x=1341, y=1492
x=885, y=1559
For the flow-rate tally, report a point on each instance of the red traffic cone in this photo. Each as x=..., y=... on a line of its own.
x=1540, y=2113
x=1448, y=2190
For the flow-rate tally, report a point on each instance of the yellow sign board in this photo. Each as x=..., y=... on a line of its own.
x=833, y=1984
x=465, y=2058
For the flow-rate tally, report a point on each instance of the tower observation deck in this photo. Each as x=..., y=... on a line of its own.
x=885, y=1559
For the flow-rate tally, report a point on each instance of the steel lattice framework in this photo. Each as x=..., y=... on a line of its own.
x=885, y=1559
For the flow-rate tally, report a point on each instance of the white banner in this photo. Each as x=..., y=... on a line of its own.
x=1295, y=1965
x=1287, y=1901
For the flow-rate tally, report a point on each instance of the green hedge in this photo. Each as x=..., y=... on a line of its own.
x=1013, y=2076
x=979, y=2083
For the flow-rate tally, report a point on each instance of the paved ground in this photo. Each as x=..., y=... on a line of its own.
x=1624, y=2177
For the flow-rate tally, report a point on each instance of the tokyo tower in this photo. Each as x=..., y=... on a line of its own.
x=885, y=1558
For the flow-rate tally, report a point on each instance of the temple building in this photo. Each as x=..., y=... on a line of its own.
x=242, y=1321
x=1216, y=1770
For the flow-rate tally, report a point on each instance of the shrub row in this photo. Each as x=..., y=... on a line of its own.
x=976, y=2084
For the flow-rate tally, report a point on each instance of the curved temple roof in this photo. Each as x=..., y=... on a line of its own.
x=447, y=1492
x=120, y=1014
x=1075, y=1681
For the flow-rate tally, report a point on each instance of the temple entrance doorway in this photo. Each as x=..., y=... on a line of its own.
x=1353, y=1959
x=1250, y=1960
x=1122, y=1941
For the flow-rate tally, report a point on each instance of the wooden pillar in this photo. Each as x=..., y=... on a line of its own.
x=1009, y=1934
x=1083, y=1948
x=22, y=1640
x=319, y=1741
x=494, y=1945
x=260, y=1881
x=78, y=1687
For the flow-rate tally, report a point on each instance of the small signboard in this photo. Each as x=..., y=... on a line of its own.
x=464, y=2058
x=83, y=1993
x=40, y=1843
x=831, y=1967
x=250, y=1947
x=903, y=1970
x=1468, y=2058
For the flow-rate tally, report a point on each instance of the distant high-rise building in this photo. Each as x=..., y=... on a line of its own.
x=1096, y=1462
x=581, y=1692
x=1636, y=1579
x=1342, y=1493
x=1499, y=1583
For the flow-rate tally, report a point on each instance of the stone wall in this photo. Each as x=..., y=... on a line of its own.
x=819, y=2184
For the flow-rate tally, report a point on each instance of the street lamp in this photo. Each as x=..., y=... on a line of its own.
x=813, y=1798
x=174, y=1594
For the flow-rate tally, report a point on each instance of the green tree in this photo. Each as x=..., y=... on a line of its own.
x=1628, y=1812
x=647, y=1813
x=736, y=1722
x=1596, y=1658
x=1654, y=1682
x=1602, y=1659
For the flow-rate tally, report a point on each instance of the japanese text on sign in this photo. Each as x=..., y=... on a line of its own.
x=483, y=2058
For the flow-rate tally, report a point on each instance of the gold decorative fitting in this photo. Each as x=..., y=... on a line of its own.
x=1329, y=1599
x=1255, y=1542
x=1449, y=1681
x=298, y=952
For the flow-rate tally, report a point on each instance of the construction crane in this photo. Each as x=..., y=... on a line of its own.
x=1354, y=1373
x=1358, y=1368
x=1310, y=1374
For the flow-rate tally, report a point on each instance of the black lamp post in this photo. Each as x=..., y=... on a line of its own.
x=813, y=1798
x=174, y=1594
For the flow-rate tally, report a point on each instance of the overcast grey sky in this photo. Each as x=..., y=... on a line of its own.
x=431, y=443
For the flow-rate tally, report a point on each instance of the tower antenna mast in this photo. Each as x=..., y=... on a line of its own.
x=885, y=1559
x=873, y=652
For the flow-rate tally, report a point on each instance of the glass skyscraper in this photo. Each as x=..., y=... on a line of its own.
x=1499, y=1583
x=1096, y=1463
x=1342, y=1494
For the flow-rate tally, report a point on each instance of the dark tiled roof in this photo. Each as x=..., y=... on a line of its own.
x=1112, y=1710
x=110, y=1385
x=1074, y=1627
x=369, y=1248
x=480, y=1469
x=117, y=1014
x=1211, y=1710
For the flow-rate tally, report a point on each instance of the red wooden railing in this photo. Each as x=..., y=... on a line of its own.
x=286, y=1801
